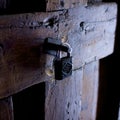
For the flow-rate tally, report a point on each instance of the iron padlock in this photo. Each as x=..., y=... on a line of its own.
x=63, y=67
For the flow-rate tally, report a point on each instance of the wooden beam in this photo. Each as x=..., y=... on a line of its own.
x=90, y=35
x=64, y=4
x=23, y=62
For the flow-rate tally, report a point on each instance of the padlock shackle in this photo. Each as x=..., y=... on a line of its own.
x=51, y=46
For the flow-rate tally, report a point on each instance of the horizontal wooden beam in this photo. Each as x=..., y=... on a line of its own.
x=22, y=61
x=63, y=98
x=89, y=30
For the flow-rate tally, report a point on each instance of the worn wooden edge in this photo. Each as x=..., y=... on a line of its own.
x=90, y=86
x=93, y=35
x=64, y=4
x=23, y=63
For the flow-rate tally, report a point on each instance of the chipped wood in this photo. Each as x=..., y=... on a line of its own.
x=64, y=4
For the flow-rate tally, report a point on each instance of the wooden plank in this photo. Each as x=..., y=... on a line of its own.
x=91, y=37
x=23, y=63
x=6, y=109
x=63, y=98
x=64, y=4
x=90, y=91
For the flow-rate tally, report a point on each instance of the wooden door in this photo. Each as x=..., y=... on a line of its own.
x=23, y=63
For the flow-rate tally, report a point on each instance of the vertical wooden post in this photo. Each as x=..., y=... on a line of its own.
x=63, y=99
x=90, y=91
x=6, y=105
x=6, y=109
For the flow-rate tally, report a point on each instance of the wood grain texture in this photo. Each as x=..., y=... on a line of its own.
x=91, y=33
x=64, y=4
x=6, y=109
x=90, y=85
x=23, y=63
x=63, y=98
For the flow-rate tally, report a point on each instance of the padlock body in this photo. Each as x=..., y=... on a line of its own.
x=63, y=67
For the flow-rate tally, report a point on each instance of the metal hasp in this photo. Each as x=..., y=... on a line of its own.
x=52, y=46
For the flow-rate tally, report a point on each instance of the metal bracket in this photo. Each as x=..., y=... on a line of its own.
x=52, y=46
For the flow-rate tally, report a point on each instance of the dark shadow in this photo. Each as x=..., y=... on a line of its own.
x=22, y=6
x=30, y=103
x=109, y=85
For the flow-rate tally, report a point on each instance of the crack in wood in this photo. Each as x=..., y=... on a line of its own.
x=51, y=23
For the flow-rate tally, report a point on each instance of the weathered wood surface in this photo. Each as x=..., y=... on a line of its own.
x=64, y=4
x=22, y=59
x=51, y=5
x=76, y=96
x=90, y=85
x=91, y=35
x=6, y=109
x=63, y=98
x=22, y=62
